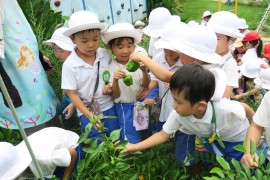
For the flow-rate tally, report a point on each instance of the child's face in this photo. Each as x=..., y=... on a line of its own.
x=241, y=49
x=123, y=50
x=171, y=55
x=222, y=44
x=185, y=59
x=182, y=106
x=87, y=42
x=60, y=53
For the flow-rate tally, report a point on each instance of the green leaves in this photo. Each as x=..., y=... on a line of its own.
x=223, y=163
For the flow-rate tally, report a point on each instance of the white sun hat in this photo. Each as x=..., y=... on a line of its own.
x=12, y=161
x=238, y=43
x=175, y=18
x=199, y=42
x=122, y=30
x=206, y=13
x=169, y=33
x=192, y=23
x=252, y=68
x=158, y=18
x=263, y=81
x=60, y=40
x=226, y=23
x=83, y=20
x=220, y=83
x=139, y=23
x=242, y=24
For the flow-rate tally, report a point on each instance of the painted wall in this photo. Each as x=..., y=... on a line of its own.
x=109, y=11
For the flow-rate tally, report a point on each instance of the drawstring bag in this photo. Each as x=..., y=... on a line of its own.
x=92, y=104
x=156, y=108
x=140, y=116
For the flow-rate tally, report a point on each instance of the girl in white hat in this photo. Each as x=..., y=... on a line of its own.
x=62, y=46
x=121, y=39
x=206, y=17
x=225, y=25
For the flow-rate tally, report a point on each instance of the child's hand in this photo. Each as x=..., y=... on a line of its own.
x=264, y=66
x=248, y=160
x=107, y=90
x=129, y=148
x=119, y=74
x=143, y=68
x=94, y=120
x=142, y=93
x=69, y=110
x=137, y=56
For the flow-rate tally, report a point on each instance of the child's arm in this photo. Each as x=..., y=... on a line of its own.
x=146, y=77
x=118, y=74
x=250, y=92
x=249, y=112
x=160, y=72
x=254, y=133
x=70, y=109
x=69, y=169
x=152, y=141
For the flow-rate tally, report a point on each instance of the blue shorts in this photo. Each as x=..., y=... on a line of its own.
x=124, y=113
x=110, y=123
x=152, y=93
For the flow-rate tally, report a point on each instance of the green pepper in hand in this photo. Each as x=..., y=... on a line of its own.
x=128, y=80
x=132, y=66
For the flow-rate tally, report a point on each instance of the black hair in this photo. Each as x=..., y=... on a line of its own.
x=195, y=82
x=72, y=36
x=259, y=46
x=118, y=41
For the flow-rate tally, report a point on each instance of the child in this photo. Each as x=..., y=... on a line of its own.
x=62, y=46
x=225, y=25
x=206, y=17
x=238, y=51
x=139, y=25
x=169, y=59
x=52, y=147
x=253, y=43
x=192, y=87
x=121, y=39
x=260, y=125
x=243, y=27
x=266, y=54
x=13, y=162
x=81, y=73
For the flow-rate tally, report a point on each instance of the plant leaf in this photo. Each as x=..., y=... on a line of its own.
x=84, y=136
x=252, y=147
x=258, y=174
x=121, y=145
x=99, y=166
x=218, y=171
x=247, y=170
x=114, y=136
x=240, y=148
x=223, y=162
x=236, y=165
x=261, y=159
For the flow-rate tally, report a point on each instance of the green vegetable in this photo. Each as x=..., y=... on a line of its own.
x=132, y=66
x=106, y=76
x=128, y=80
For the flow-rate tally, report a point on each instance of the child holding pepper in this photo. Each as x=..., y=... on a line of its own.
x=121, y=39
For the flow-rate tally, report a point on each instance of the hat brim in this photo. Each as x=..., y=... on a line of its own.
x=267, y=55
x=212, y=58
x=227, y=33
x=134, y=33
x=206, y=16
x=245, y=73
x=220, y=83
x=152, y=32
x=243, y=27
x=62, y=45
x=101, y=26
x=161, y=44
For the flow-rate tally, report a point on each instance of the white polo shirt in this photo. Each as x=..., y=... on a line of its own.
x=232, y=123
x=128, y=93
x=50, y=146
x=167, y=101
x=80, y=76
x=262, y=118
x=153, y=51
x=229, y=65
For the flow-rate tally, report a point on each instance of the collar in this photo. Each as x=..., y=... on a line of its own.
x=76, y=61
x=207, y=116
x=163, y=61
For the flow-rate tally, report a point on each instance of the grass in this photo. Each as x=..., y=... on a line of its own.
x=193, y=10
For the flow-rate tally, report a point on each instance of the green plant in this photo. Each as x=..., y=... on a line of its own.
x=10, y=135
x=238, y=171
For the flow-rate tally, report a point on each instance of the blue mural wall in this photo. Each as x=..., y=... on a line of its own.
x=109, y=11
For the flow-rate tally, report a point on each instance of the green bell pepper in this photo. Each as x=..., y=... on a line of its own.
x=128, y=80
x=132, y=66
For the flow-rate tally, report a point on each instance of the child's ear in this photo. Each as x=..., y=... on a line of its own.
x=202, y=105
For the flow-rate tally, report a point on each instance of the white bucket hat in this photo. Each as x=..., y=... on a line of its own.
x=12, y=161
x=139, y=23
x=192, y=23
x=242, y=24
x=169, y=33
x=220, y=83
x=226, y=23
x=60, y=40
x=122, y=30
x=158, y=18
x=206, y=13
x=199, y=42
x=252, y=68
x=176, y=18
x=83, y=20
x=263, y=81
